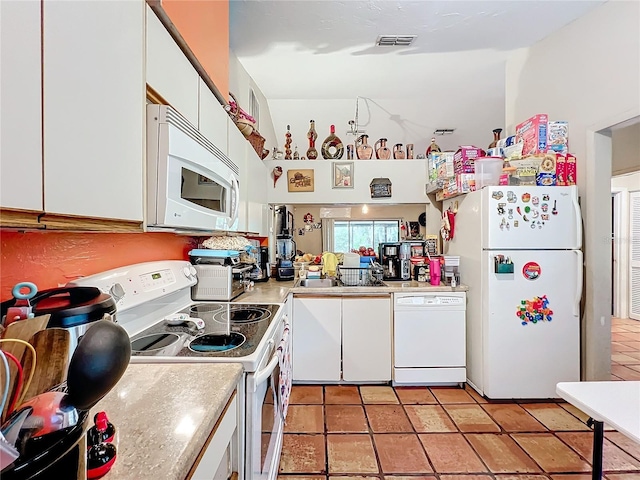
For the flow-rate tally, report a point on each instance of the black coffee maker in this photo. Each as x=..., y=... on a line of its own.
x=262, y=271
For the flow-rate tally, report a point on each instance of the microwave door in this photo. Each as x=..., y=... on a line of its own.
x=196, y=197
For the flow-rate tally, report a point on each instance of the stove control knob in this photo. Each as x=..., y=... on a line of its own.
x=193, y=270
x=186, y=271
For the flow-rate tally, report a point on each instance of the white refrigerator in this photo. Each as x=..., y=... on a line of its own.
x=523, y=319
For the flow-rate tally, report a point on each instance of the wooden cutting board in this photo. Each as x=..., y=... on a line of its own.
x=52, y=353
x=21, y=330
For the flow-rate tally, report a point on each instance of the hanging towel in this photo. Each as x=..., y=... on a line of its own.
x=286, y=371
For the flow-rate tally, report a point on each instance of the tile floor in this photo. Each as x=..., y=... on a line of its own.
x=441, y=433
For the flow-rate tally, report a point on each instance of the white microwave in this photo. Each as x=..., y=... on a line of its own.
x=191, y=184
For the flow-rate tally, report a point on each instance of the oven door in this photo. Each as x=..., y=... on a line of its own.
x=265, y=424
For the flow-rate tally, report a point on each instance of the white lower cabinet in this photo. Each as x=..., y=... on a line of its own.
x=219, y=458
x=341, y=339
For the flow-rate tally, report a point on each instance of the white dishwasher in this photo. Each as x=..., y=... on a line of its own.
x=429, y=338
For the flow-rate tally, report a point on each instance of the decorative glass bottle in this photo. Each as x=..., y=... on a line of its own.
x=409, y=151
x=382, y=151
x=312, y=135
x=398, y=152
x=433, y=147
x=496, y=137
x=296, y=155
x=287, y=144
x=364, y=151
x=332, y=148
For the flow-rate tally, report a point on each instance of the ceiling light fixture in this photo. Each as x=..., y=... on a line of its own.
x=395, y=40
x=365, y=209
x=444, y=131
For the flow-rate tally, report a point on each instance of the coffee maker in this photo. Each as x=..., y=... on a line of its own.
x=395, y=260
x=285, y=253
x=262, y=270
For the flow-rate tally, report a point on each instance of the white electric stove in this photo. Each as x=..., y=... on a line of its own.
x=154, y=306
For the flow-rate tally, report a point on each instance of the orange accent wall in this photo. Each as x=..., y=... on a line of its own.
x=51, y=259
x=204, y=25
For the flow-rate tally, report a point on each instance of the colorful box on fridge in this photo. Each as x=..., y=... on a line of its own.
x=561, y=169
x=466, y=182
x=464, y=159
x=572, y=169
x=533, y=134
x=558, y=136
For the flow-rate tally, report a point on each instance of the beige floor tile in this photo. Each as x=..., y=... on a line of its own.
x=451, y=395
x=625, y=443
x=622, y=347
x=625, y=373
x=415, y=396
x=388, y=419
x=575, y=476
x=624, y=358
x=550, y=453
x=451, y=453
x=430, y=419
x=521, y=477
x=303, y=454
x=306, y=395
x=471, y=418
x=501, y=453
x=554, y=417
x=342, y=395
x=623, y=476
x=613, y=458
x=301, y=477
x=304, y=419
x=351, y=454
x=633, y=354
x=633, y=345
x=401, y=453
x=575, y=411
x=346, y=418
x=375, y=394
x=513, y=418
x=466, y=477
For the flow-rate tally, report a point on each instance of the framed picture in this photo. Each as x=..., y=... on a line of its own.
x=342, y=175
x=300, y=180
x=414, y=229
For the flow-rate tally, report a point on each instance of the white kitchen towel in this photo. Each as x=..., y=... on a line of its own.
x=286, y=371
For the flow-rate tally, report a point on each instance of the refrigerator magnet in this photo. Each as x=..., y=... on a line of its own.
x=497, y=195
x=545, y=198
x=526, y=197
x=511, y=197
x=531, y=270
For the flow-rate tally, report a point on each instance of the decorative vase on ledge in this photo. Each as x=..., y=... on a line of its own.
x=332, y=148
x=364, y=151
x=312, y=135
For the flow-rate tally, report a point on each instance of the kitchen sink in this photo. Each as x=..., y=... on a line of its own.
x=319, y=282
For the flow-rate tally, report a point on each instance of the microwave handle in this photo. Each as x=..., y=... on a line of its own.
x=235, y=187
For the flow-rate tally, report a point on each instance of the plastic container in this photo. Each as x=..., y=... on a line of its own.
x=488, y=171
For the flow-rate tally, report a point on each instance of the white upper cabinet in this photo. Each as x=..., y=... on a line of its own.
x=94, y=104
x=169, y=72
x=237, y=152
x=20, y=97
x=213, y=119
x=256, y=182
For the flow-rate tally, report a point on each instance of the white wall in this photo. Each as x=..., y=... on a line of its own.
x=587, y=73
x=239, y=84
x=630, y=181
x=408, y=178
x=626, y=149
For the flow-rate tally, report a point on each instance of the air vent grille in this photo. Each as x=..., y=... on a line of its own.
x=444, y=131
x=174, y=118
x=395, y=40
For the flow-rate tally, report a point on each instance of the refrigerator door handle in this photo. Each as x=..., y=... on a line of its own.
x=578, y=219
x=576, y=303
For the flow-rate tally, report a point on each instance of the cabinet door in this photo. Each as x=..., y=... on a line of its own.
x=237, y=152
x=169, y=72
x=21, y=113
x=257, y=208
x=366, y=339
x=94, y=103
x=212, y=119
x=316, y=339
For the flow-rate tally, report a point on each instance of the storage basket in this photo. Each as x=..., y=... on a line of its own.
x=247, y=126
x=357, y=276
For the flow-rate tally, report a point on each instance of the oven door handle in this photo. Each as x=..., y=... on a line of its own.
x=263, y=375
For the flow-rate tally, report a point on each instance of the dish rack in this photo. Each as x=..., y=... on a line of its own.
x=360, y=276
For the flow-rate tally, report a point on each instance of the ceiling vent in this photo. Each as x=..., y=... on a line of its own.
x=444, y=131
x=395, y=40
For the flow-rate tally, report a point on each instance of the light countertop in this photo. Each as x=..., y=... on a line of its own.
x=163, y=414
x=274, y=291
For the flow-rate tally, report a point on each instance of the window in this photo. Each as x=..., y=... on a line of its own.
x=351, y=235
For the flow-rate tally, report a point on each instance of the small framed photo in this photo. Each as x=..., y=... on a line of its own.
x=342, y=176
